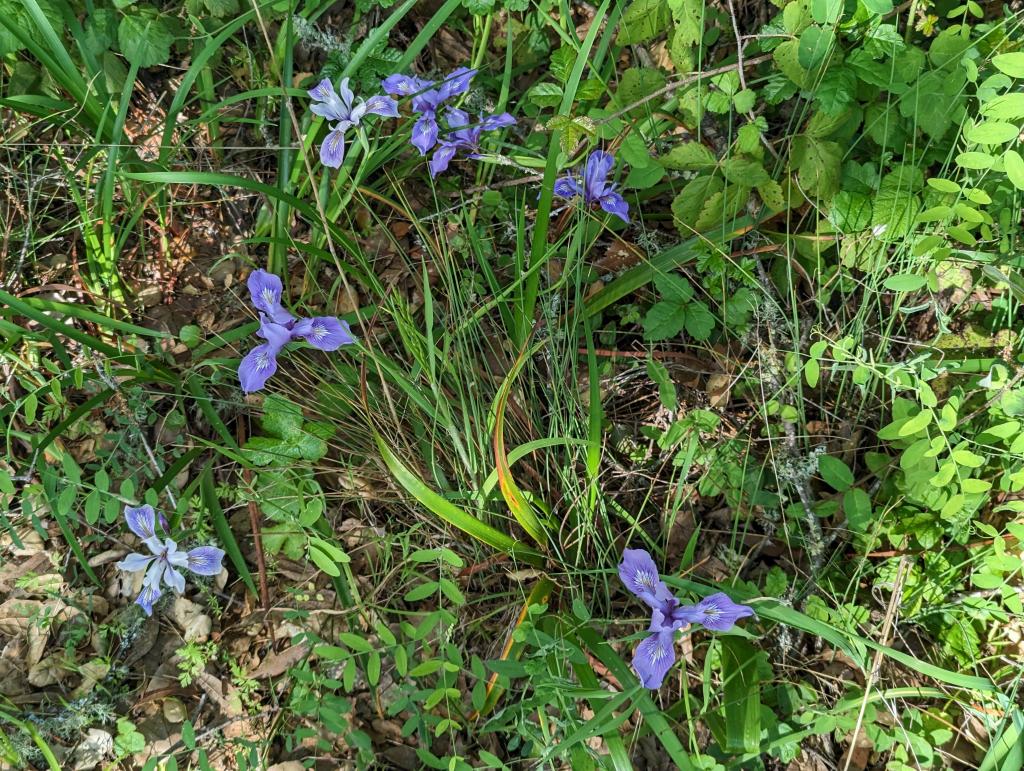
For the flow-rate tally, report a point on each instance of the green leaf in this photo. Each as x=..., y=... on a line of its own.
x=917, y=423
x=1014, y=165
x=644, y=178
x=191, y=335
x=850, y=212
x=787, y=59
x=687, y=205
x=975, y=160
x=664, y=320
x=1004, y=107
x=563, y=59
x=904, y=282
x=643, y=20
x=222, y=8
x=699, y=321
x=1011, y=64
x=836, y=91
x=322, y=560
x=814, y=45
x=634, y=150
x=479, y=7
x=145, y=37
x=743, y=171
x=635, y=84
x=773, y=196
x=742, y=703
x=893, y=213
x=857, y=507
x=744, y=100
x=992, y=133
x=545, y=94
x=659, y=374
x=879, y=7
x=421, y=592
x=818, y=164
x=721, y=207
x=835, y=473
x=674, y=288
x=689, y=156
x=826, y=11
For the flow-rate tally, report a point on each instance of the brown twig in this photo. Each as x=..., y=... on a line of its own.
x=254, y=524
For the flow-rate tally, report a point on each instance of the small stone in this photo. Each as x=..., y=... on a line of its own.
x=195, y=625
x=91, y=751
x=150, y=296
x=221, y=273
x=174, y=711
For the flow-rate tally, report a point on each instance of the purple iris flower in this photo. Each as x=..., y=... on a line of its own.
x=278, y=327
x=260, y=363
x=717, y=613
x=594, y=186
x=655, y=654
x=426, y=101
x=265, y=291
x=164, y=559
x=464, y=137
x=346, y=111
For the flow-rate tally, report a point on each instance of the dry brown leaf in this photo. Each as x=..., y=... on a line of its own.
x=277, y=664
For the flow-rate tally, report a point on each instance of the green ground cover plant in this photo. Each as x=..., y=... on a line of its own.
x=511, y=384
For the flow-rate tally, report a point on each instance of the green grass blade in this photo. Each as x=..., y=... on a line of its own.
x=220, y=524
x=449, y=512
x=656, y=721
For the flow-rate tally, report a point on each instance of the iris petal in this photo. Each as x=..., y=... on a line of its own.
x=141, y=520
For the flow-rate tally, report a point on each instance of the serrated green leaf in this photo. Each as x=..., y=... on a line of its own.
x=643, y=20
x=545, y=94
x=818, y=164
x=145, y=37
x=687, y=205
x=745, y=172
x=699, y=321
x=689, y=156
x=664, y=320
x=673, y=288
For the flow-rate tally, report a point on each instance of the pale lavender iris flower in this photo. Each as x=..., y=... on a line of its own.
x=464, y=137
x=162, y=563
x=427, y=100
x=593, y=186
x=655, y=654
x=345, y=110
x=279, y=327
